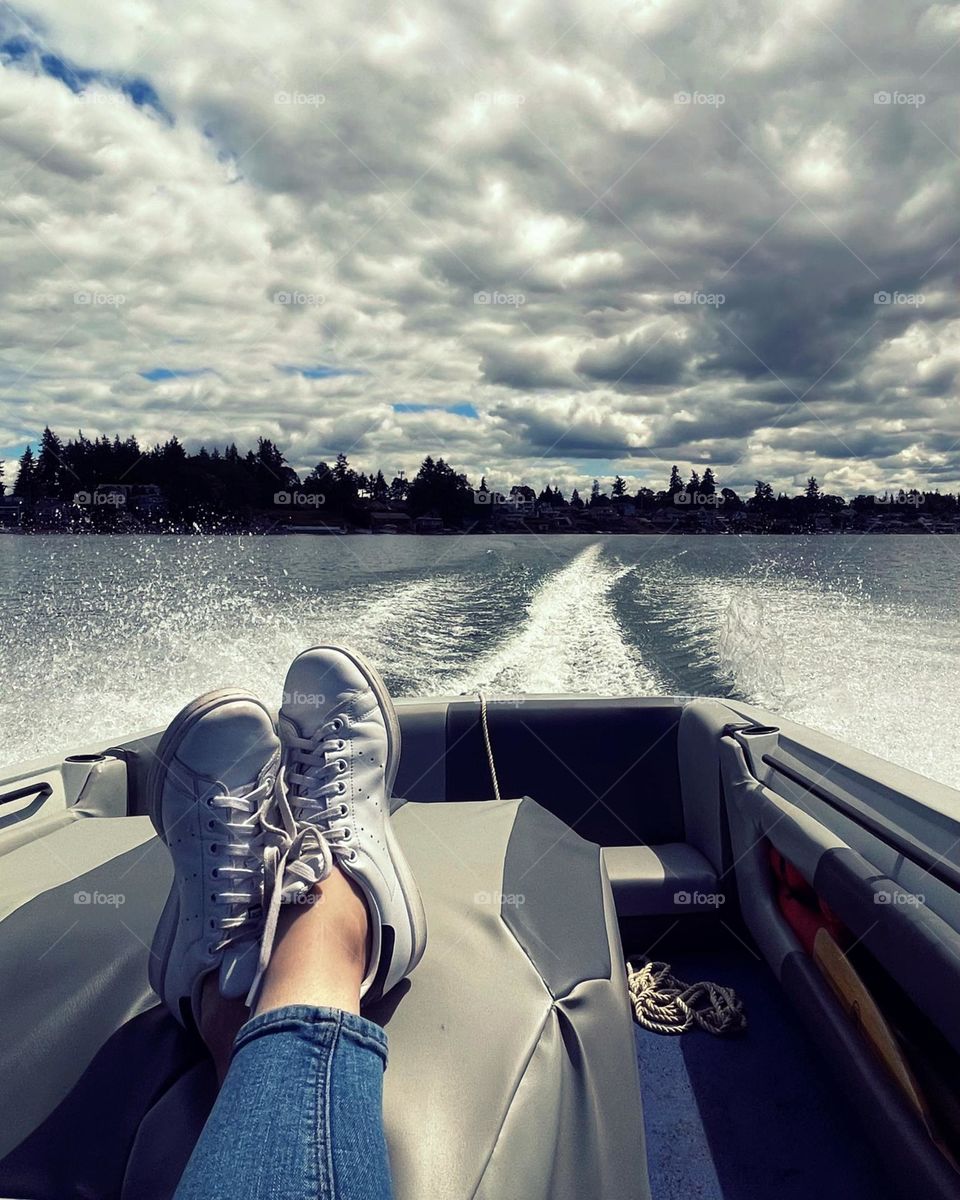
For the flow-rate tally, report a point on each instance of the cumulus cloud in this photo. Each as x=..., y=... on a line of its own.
x=542, y=240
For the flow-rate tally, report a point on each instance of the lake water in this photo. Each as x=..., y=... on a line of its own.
x=859, y=637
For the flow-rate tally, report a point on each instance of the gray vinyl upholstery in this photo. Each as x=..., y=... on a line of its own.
x=514, y=1045
x=917, y=947
x=701, y=725
x=78, y=908
x=659, y=880
x=681, y=877
x=914, y=943
x=757, y=814
x=511, y=1075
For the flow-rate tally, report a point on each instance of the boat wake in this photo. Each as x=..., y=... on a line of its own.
x=194, y=617
x=566, y=637
x=105, y=637
x=841, y=662
x=132, y=661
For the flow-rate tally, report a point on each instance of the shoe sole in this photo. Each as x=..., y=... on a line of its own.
x=163, y=760
x=408, y=884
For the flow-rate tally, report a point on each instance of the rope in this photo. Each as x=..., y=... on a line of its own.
x=665, y=1004
x=484, y=725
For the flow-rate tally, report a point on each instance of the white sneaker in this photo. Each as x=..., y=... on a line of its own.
x=212, y=801
x=341, y=747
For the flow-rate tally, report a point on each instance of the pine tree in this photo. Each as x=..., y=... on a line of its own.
x=171, y=452
x=345, y=483
x=49, y=470
x=619, y=489
x=438, y=489
x=762, y=494
x=676, y=483
x=26, y=483
x=708, y=485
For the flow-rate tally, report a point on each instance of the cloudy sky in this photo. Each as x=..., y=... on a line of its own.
x=548, y=240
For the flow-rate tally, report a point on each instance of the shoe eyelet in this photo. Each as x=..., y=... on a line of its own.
x=341, y=765
x=343, y=810
x=214, y=848
x=341, y=787
x=352, y=856
x=211, y=824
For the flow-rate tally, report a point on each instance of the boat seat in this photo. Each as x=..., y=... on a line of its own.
x=656, y=880
x=78, y=907
x=511, y=1058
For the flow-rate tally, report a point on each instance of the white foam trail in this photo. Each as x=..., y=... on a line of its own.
x=867, y=673
x=131, y=663
x=566, y=639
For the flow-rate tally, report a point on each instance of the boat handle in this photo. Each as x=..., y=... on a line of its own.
x=40, y=790
x=937, y=865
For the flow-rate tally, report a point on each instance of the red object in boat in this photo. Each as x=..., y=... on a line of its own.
x=801, y=907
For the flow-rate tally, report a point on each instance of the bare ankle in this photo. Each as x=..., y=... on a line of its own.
x=321, y=952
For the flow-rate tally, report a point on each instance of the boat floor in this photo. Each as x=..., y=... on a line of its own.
x=751, y=1116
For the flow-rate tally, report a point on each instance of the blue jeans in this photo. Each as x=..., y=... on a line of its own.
x=300, y=1113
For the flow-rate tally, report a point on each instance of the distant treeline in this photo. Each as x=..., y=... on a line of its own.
x=226, y=483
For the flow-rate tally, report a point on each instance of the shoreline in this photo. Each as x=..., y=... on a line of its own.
x=330, y=535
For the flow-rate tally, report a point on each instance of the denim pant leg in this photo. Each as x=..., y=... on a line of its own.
x=300, y=1113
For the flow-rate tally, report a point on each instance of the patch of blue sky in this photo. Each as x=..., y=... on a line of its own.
x=26, y=50
x=159, y=374
x=320, y=371
x=461, y=410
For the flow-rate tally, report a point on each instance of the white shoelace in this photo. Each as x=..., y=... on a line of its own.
x=254, y=899
x=297, y=853
x=307, y=799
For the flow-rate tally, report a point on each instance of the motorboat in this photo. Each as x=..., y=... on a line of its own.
x=556, y=839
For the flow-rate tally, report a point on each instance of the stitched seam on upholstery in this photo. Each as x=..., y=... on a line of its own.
x=523, y=950
x=526, y=954
x=513, y=1095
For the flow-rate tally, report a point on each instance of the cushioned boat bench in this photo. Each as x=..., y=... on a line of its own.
x=657, y=880
x=512, y=1071
x=675, y=868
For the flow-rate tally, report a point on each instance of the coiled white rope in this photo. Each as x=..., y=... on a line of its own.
x=665, y=1004
x=484, y=725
